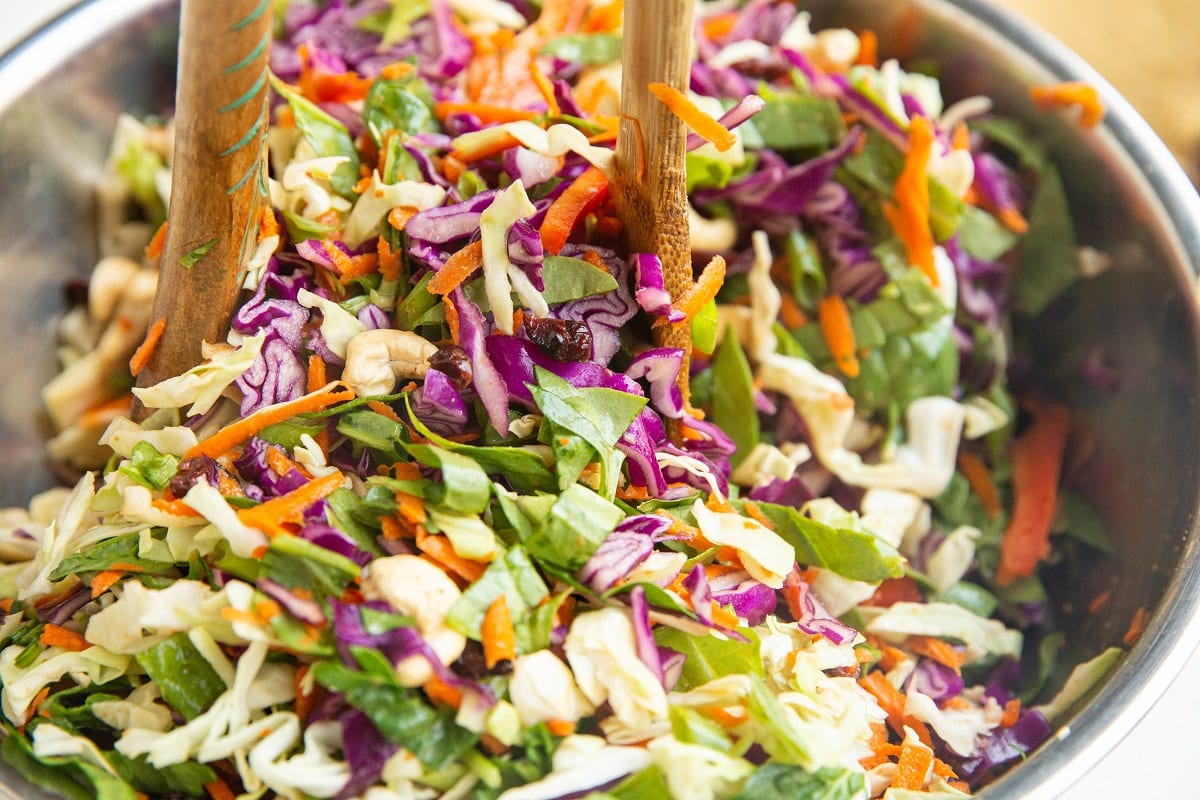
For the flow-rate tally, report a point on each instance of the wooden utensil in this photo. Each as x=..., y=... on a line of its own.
x=217, y=176
x=650, y=182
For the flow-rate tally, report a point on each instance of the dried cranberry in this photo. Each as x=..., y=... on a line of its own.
x=452, y=361
x=561, y=339
x=75, y=292
x=192, y=470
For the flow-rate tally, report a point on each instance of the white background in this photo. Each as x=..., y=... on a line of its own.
x=1155, y=761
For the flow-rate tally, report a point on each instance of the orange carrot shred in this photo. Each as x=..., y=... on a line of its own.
x=439, y=549
x=383, y=409
x=1012, y=712
x=237, y=432
x=1012, y=219
x=457, y=269
x=487, y=113
x=790, y=313
x=58, y=636
x=979, y=477
x=940, y=651
x=718, y=26
x=1136, y=626
x=145, y=350
x=219, y=790
x=451, y=319
x=103, y=581
x=498, y=634
x=316, y=373
x=892, y=702
x=545, y=88
x=1098, y=602
x=833, y=317
x=704, y=125
x=176, y=507
x=270, y=516
x=580, y=198
x=398, y=218
x=712, y=278
x=908, y=211
x=155, y=247
x=441, y=692
x=913, y=766
x=961, y=138
x=389, y=260
x=561, y=728
x=1071, y=93
x=868, y=49
x=1037, y=457
x=6, y=604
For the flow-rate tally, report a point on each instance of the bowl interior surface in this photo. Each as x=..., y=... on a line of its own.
x=1135, y=450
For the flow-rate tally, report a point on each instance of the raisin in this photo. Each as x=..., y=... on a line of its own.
x=561, y=339
x=452, y=361
x=192, y=470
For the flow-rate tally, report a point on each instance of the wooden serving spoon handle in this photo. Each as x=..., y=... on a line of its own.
x=651, y=184
x=217, y=176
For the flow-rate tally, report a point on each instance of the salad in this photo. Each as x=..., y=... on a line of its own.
x=440, y=520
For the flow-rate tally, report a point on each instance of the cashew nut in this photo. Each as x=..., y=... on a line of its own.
x=377, y=360
x=413, y=586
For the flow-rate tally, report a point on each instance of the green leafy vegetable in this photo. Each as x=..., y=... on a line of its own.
x=399, y=713
x=186, y=778
x=585, y=48
x=852, y=554
x=512, y=575
x=149, y=467
x=299, y=564
x=809, y=283
x=792, y=121
x=193, y=258
x=573, y=528
x=982, y=236
x=392, y=106
x=185, y=679
x=775, y=781
x=709, y=657
x=102, y=555
x=733, y=407
x=464, y=486
x=1050, y=256
x=326, y=135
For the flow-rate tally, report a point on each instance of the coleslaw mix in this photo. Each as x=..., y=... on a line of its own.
x=438, y=521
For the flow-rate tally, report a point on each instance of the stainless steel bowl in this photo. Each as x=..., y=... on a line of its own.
x=61, y=91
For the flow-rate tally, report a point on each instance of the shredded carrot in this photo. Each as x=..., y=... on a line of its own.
x=1071, y=93
x=270, y=516
x=704, y=125
x=410, y=508
x=384, y=409
x=280, y=464
x=145, y=350
x=102, y=414
x=583, y=196
x=721, y=616
x=155, y=247
x=488, y=114
x=1098, y=602
x=1012, y=219
x=316, y=373
x=939, y=650
x=393, y=529
x=58, y=636
x=561, y=728
x=908, y=211
x=790, y=313
x=237, y=432
x=868, y=49
x=545, y=87
x=498, y=634
x=1136, y=626
x=231, y=614
x=452, y=319
x=398, y=218
x=1012, y=712
x=833, y=317
x=942, y=769
x=438, y=548
x=634, y=493
x=441, y=692
x=892, y=702
x=718, y=26
x=457, y=269
x=491, y=142
x=304, y=696
x=492, y=744
x=960, y=139
x=6, y=604
x=755, y=513
x=329, y=87
x=979, y=477
x=1037, y=457
x=36, y=703
x=176, y=507
x=103, y=581
x=955, y=703
x=605, y=18
x=219, y=790
x=389, y=261
x=896, y=590
x=912, y=767
x=712, y=278
x=396, y=70
x=725, y=717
